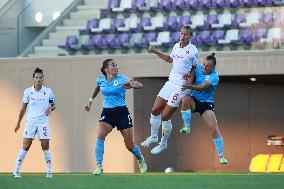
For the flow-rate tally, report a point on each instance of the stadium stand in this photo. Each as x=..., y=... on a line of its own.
x=217, y=24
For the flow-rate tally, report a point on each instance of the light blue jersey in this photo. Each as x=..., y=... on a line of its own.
x=207, y=94
x=113, y=92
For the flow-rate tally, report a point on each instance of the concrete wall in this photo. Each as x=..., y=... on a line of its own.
x=73, y=130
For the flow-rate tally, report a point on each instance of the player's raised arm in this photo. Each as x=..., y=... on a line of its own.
x=21, y=115
x=163, y=56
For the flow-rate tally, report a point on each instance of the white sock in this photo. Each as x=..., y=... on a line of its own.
x=20, y=158
x=155, y=125
x=166, y=129
x=47, y=158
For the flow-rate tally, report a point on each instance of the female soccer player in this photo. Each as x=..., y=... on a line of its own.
x=40, y=102
x=202, y=101
x=184, y=56
x=115, y=112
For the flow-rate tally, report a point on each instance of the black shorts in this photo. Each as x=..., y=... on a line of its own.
x=118, y=117
x=201, y=107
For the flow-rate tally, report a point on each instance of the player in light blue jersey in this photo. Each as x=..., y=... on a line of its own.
x=115, y=113
x=202, y=100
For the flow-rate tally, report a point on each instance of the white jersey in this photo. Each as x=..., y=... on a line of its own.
x=38, y=102
x=183, y=60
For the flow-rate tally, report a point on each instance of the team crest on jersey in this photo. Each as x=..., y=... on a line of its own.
x=207, y=77
x=115, y=83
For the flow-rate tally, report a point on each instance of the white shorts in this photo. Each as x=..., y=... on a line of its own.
x=42, y=130
x=173, y=94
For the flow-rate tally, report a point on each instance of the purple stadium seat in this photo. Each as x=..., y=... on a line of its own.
x=70, y=42
x=248, y=3
x=144, y=21
x=147, y=38
x=220, y=3
x=207, y=3
x=98, y=41
x=170, y=23
x=246, y=36
x=111, y=4
x=138, y=3
x=267, y=19
x=211, y=19
x=215, y=36
x=174, y=38
x=111, y=40
x=123, y=39
x=203, y=37
x=93, y=23
x=183, y=20
x=181, y=4
x=232, y=3
x=116, y=23
x=165, y=4
x=194, y=4
x=259, y=33
x=237, y=19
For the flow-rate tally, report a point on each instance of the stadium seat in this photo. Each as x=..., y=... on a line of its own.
x=147, y=38
x=252, y=18
x=197, y=20
x=71, y=43
x=231, y=35
x=163, y=37
x=123, y=39
x=144, y=21
x=183, y=20
x=232, y=3
x=267, y=19
x=272, y=34
x=111, y=4
x=181, y=4
x=135, y=38
x=215, y=36
x=105, y=24
x=156, y=22
x=237, y=20
x=259, y=33
x=220, y=3
x=117, y=23
x=93, y=23
x=124, y=5
x=223, y=19
x=194, y=4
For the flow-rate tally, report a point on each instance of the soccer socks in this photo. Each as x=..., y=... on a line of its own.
x=219, y=145
x=166, y=130
x=186, y=118
x=100, y=146
x=47, y=158
x=155, y=122
x=20, y=158
x=137, y=153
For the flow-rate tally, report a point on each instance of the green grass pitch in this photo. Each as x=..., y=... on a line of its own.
x=150, y=180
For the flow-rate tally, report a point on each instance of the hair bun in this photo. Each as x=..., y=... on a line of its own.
x=212, y=54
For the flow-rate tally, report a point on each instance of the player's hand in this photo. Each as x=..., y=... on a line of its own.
x=186, y=77
x=127, y=85
x=17, y=127
x=47, y=111
x=152, y=49
x=186, y=86
x=88, y=106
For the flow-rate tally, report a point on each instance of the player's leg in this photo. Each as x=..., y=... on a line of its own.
x=187, y=107
x=210, y=119
x=133, y=148
x=103, y=130
x=28, y=136
x=27, y=142
x=44, y=137
x=155, y=121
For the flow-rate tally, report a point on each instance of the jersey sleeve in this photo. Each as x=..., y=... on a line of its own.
x=172, y=52
x=51, y=98
x=26, y=96
x=125, y=79
x=213, y=79
x=99, y=80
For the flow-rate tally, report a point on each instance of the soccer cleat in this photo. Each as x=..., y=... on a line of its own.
x=185, y=130
x=16, y=175
x=149, y=140
x=160, y=147
x=222, y=160
x=49, y=175
x=99, y=170
x=142, y=166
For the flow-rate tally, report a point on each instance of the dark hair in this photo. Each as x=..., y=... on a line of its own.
x=212, y=58
x=105, y=65
x=188, y=28
x=37, y=70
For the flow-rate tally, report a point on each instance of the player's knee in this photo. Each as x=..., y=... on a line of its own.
x=155, y=112
x=185, y=105
x=26, y=148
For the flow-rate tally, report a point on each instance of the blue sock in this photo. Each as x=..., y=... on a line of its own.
x=186, y=118
x=100, y=145
x=219, y=145
x=136, y=152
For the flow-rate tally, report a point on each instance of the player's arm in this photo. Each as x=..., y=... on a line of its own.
x=163, y=56
x=21, y=115
x=94, y=95
x=204, y=85
x=132, y=84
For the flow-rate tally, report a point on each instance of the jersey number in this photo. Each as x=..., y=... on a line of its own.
x=44, y=131
x=129, y=119
x=175, y=97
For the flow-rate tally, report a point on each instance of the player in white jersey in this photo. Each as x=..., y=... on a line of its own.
x=40, y=102
x=184, y=57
